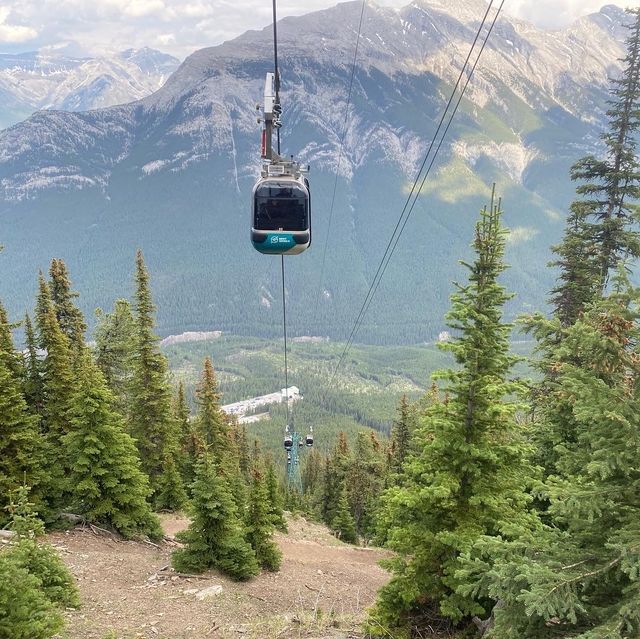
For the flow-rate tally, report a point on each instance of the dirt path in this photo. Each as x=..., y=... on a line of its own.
x=321, y=591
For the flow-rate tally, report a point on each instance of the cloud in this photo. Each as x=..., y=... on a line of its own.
x=14, y=33
x=182, y=26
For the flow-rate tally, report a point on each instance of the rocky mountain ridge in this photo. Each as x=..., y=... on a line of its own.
x=51, y=79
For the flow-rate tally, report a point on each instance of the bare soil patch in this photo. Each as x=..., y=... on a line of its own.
x=321, y=592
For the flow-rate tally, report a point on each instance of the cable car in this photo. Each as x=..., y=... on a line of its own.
x=288, y=442
x=309, y=439
x=281, y=202
x=281, y=213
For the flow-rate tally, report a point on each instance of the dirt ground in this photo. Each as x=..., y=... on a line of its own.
x=128, y=590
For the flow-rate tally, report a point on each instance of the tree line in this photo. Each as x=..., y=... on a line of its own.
x=97, y=433
x=516, y=511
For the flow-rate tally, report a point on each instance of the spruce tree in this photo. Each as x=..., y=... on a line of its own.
x=216, y=536
x=211, y=423
x=260, y=524
x=58, y=387
x=150, y=419
x=343, y=524
x=601, y=228
x=107, y=484
x=115, y=337
x=33, y=390
x=275, y=500
x=19, y=439
x=35, y=586
x=400, y=437
x=365, y=481
x=468, y=477
x=170, y=493
x=190, y=445
x=69, y=317
x=578, y=576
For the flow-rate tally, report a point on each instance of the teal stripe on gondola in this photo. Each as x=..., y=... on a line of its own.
x=276, y=243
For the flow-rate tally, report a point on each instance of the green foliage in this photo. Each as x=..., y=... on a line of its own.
x=150, y=419
x=275, y=500
x=33, y=390
x=468, y=476
x=580, y=576
x=25, y=611
x=365, y=480
x=601, y=229
x=69, y=317
x=343, y=524
x=216, y=537
x=106, y=483
x=34, y=583
x=260, y=524
x=19, y=439
x=170, y=493
x=115, y=337
x=211, y=423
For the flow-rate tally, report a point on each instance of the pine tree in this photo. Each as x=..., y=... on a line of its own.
x=170, y=494
x=34, y=583
x=69, y=317
x=33, y=390
x=211, y=423
x=343, y=523
x=365, y=481
x=19, y=441
x=215, y=537
x=58, y=387
x=260, y=524
x=275, y=501
x=600, y=229
x=468, y=477
x=107, y=484
x=400, y=437
x=150, y=419
x=115, y=338
x=578, y=576
x=190, y=445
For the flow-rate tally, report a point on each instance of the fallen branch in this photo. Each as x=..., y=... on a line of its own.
x=96, y=530
x=311, y=588
x=168, y=573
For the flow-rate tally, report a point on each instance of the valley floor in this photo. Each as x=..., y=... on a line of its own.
x=128, y=590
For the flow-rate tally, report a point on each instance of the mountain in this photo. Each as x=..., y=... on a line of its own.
x=52, y=79
x=172, y=173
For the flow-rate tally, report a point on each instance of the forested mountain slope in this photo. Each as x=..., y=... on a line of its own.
x=172, y=173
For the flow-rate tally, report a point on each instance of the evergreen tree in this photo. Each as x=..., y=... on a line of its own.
x=170, y=494
x=365, y=481
x=211, y=423
x=190, y=445
x=468, y=478
x=115, y=337
x=600, y=230
x=150, y=419
x=107, y=484
x=343, y=523
x=34, y=583
x=260, y=524
x=275, y=501
x=69, y=317
x=400, y=437
x=335, y=471
x=58, y=387
x=578, y=576
x=19, y=441
x=215, y=537
x=33, y=390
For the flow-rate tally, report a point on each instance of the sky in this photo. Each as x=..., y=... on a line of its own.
x=180, y=27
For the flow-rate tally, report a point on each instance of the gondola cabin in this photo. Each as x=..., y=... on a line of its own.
x=281, y=214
